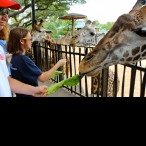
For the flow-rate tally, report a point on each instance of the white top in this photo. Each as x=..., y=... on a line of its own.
x=4, y=84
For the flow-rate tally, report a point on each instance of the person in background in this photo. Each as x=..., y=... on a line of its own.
x=22, y=67
x=8, y=84
x=3, y=42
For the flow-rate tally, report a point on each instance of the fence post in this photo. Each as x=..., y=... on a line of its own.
x=104, y=82
x=143, y=86
x=115, y=84
x=132, y=83
x=61, y=77
x=35, y=51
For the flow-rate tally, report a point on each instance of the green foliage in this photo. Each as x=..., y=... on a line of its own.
x=19, y=1
x=57, y=73
x=43, y=10
x=50, y=11
x=107, y=26
x=72, y=81
x=57, y=26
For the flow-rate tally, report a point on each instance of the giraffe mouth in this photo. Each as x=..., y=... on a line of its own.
x=92, y=72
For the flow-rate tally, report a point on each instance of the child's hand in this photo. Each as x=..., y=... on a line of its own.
x=62, y=62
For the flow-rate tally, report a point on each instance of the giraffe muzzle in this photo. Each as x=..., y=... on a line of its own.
x=92, y=72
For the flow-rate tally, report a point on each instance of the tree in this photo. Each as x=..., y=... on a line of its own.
x=44, y=9
x=107, y=26
x=49, y=11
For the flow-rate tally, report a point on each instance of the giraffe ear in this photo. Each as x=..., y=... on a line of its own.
x=94, y=24
x=143, y=12
x=88, y=22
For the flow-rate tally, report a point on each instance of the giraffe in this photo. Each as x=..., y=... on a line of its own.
x=87, y=36
x=41, y=35
x=124, y=43
x=63, y=40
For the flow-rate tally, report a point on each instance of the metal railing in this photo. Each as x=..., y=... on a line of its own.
x=122, y=80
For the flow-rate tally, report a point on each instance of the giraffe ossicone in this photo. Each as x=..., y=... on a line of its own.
x=124, y=43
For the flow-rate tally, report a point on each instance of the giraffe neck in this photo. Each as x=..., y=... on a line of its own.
x=63, y=39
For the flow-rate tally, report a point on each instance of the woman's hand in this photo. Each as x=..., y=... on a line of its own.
x=41, y=91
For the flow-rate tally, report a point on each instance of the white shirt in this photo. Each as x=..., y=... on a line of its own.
x=4, y=83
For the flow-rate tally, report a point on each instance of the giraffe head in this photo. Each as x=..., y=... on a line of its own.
x=124, y=43
x=39, y=33
x=86, y=36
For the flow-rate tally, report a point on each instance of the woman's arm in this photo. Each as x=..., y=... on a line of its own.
x=48, y=74
x=21, y=88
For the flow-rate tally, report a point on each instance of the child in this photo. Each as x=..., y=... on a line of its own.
x=22, y=67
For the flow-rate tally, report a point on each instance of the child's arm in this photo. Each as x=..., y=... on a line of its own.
x=48, y=74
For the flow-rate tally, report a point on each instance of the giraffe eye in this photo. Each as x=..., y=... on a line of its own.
x=140, y=32
x=92, y=33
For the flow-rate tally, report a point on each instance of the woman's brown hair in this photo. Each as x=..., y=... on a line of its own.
x=15, y=36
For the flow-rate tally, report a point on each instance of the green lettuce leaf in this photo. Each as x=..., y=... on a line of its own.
x=56, y=73
x=72, y=81
x=54, y=87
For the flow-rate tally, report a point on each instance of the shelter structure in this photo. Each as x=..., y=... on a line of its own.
x=72, y=17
